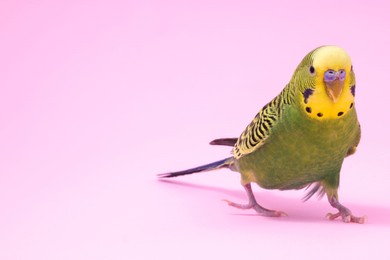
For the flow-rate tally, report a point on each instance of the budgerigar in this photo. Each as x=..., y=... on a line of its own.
x=301, y=137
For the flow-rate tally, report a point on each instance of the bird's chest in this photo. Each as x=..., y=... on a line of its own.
x=300, y=151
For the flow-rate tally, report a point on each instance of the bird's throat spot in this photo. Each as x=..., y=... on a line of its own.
x=309, y=110
x=320, y=114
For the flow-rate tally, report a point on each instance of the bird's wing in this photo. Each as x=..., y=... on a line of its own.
x=354, y=146
x=257, y=132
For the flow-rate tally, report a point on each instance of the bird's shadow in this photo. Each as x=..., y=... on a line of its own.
x=297, y=211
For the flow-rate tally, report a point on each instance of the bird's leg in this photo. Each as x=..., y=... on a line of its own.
x=252, y=204
x=344, y=212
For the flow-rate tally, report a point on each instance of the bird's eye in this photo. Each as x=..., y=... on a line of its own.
x=312, y=70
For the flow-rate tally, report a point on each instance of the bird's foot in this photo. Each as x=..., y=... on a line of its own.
x=344, y=213
x=259, y=209
x=252, y=204
x=347, y=217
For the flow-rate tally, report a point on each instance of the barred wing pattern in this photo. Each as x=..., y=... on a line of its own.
x=257, y=132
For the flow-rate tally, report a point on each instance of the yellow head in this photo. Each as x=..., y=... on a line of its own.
x=326, y=82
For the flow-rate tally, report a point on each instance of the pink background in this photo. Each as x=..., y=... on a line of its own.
x=97, y=97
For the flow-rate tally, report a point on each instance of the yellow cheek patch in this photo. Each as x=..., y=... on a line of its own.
x=319, y=106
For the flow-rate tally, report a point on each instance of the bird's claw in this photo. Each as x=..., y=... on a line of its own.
x=259, y=209
x=347, y=217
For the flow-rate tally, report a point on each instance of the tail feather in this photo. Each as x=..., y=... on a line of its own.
x=225, y=163
x=224, y=141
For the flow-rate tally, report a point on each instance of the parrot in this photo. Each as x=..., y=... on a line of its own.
x=301, y=137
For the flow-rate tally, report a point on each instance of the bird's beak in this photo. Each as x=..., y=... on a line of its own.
x=334, y=89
